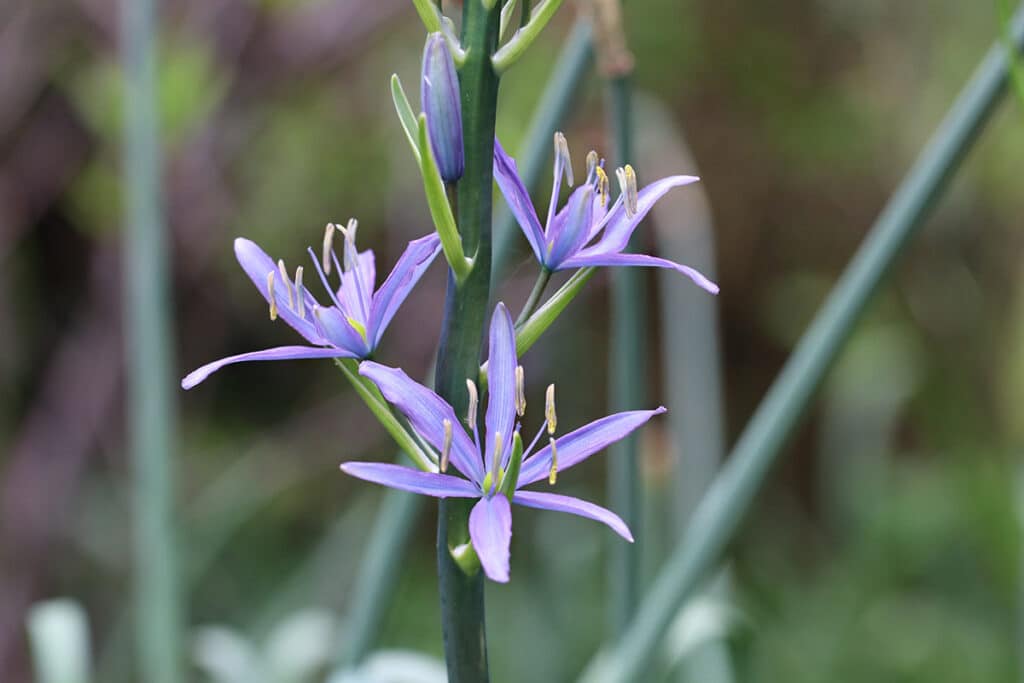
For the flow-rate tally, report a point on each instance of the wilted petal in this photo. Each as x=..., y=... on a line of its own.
x=257, y=264
x=501, y=384
x=574, y=506
x=518, y=199
x=408, y=479
x=280, y=353
x=407, y=271
x=619, y=227
x=490, y=528
x=588, y=258
x=441, y=102
x=579, y=445
x=426, y=412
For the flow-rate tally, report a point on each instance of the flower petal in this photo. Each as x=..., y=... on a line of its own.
x=574, y=506
x=407, y=271
x=408, y=479
x=588, y=258
x=339, y=331
x=257, y=264
x=571, y=227
x=518, y=199
x=490, y=528
x=579, y=445
x=619, y=227
x=279, y=353
x=427, y=412
x=501, y=385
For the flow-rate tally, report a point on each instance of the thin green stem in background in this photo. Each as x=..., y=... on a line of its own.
x=462, y=596
x=719, y=513
x=572, y=64
x=151, y=419
x=535, y=296
x=627, y=379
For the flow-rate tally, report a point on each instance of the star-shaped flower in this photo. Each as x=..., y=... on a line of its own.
x=352, y=326
x=585, y=232
x=495, y=470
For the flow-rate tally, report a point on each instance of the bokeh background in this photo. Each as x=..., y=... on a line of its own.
x=886, y=547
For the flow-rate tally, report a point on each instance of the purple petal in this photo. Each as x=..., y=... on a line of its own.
x=579, y=445
x=501, y=385
x=279, y=353
x=408, y=479
x=619, y=227
x=518, y=199
x=356, y=290
x=574, y=506
x=407, y=271
x=427, y=412
x=588, y=258
x=257, y=265
x=339, y=331
x=490, y=528
x=572, y=227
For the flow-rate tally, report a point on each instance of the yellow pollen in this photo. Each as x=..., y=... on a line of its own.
x=446, y=447
x=627, y=183
x=603, y=186
x=270, y=295
x=549, y=410
x=553, y=473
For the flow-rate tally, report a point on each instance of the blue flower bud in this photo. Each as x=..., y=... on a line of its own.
x=440, y=100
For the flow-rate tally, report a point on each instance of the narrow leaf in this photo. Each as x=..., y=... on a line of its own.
x=440, y=209
x=511, y=51
x=406, y=115
x=429, y=14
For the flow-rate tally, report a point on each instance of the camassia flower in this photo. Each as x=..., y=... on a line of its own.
x=351, y=327
x=496, y=469
x=586, y=232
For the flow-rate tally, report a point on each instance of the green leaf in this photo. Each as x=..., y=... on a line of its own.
x=440, y=209
x=406, y=116
x=511, y=51
x=530, y=331
x=429, y=14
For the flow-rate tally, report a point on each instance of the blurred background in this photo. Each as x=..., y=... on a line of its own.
x=886, y=547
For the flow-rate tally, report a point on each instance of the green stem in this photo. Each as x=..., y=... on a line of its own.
x=717, y=517
x=534, y=299
x=158, y=604
x=462, y=596
x=628, y=387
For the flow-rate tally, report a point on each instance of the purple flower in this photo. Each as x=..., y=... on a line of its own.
x=439, y=99
x=497, y=468
x=584, y=232
x=351, y=327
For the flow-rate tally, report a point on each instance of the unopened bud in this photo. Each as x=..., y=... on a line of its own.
x=441, y=102
x=549, y=409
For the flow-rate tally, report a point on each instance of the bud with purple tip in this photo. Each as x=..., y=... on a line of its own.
x=440, y=100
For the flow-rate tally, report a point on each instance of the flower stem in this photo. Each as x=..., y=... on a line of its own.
x=534, y=300
x=462, y=596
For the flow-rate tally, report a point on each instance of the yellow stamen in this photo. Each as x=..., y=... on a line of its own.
x=553, y=473
x=298, y=293
x=549, y=409
x=603, y=186
x=627, y=183
x=446, y=447
x=474, y=400
x=328, y=248
x=520, y=391
x=270, y=295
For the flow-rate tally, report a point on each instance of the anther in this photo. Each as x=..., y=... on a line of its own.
x=549, y=409
x=602, y=185
x=328, y=248
x=593, y=163
x=474, y=400
x=520, y=391
x=270, y=295
x=298, y=293
x=627, y=183
x=562, y=152
x=350, y=254
x=553, y=472
x=446, y=446
x=287, y=282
